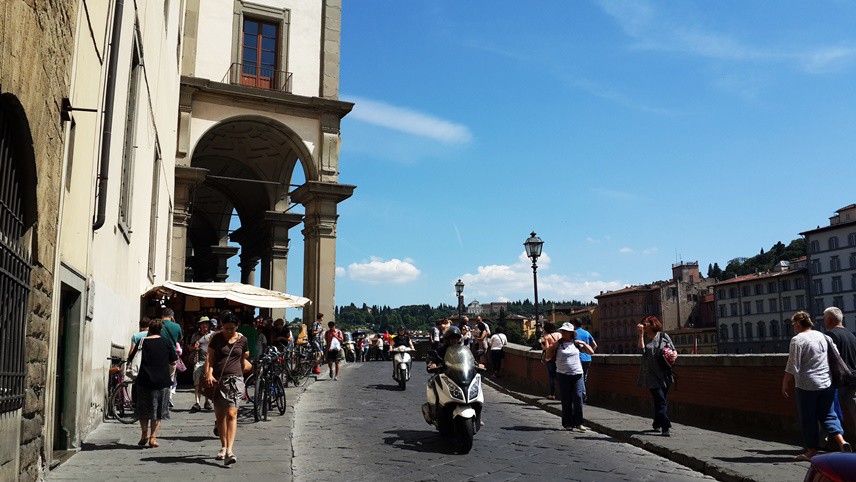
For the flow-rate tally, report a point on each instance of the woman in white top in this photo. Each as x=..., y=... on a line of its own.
x=496, y=343
x=569, y=373
x=808, y=368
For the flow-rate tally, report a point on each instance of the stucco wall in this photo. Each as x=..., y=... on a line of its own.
x=215, y=38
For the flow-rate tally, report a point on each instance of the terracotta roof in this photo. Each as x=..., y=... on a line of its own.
x=759, y=276
x=845, y=208
x=799, y=260
x=629, y=289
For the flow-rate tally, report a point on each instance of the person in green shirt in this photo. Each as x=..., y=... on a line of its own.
x=248, y=330
x=171, y=332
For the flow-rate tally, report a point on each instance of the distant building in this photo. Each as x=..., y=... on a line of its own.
x=753, y=311
x=526, y=325
x=695, y=340
x=474, y=308
x=675, y=302
x=832, y=265
x=495, y=307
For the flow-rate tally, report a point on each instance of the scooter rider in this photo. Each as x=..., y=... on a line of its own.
x=452, y=336
x=402, y=339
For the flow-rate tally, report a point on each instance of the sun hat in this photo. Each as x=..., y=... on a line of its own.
x=203, y=318
x=566, y=327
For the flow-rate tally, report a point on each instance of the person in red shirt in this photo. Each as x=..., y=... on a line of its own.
x=334, y=339
x=387, y=341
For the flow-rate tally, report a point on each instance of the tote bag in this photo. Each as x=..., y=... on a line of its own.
x=134, y=367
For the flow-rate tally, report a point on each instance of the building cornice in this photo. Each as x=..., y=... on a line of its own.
x=313, y=107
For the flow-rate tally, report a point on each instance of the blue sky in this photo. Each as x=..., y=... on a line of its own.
x=624, y=133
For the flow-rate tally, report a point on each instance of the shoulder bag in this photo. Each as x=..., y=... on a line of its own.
x=134, y=367
x=210, y=389
x=840, y=373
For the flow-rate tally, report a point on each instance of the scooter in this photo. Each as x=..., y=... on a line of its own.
x=350, y=353
x=455, y=398
x=401, y=364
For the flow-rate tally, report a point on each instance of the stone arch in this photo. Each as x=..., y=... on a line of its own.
x=310, y=166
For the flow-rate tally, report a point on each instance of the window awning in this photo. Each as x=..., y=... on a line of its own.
x=240, y=293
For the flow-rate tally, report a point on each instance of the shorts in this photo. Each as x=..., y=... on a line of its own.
x=229, y=392
x=333, y=356
x=152, y=403
x=198, y=373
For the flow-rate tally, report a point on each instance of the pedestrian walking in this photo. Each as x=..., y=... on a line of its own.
x=653, y=375
x=378, y=346
x=570, y=376
x=199, y=353
x=334, y=339
x=548, y=345
x=251, y=333
x=227, y=353
x=437, y=333
x=154, y=381
x=808, y=369
x=845, y=342
x=387, y=340
x=497, y=342
x=480, y=337
x=585, y=358
x=136, y=337
x=315, y=332
x=172, y=333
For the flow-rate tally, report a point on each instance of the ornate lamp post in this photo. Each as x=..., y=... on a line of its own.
x=533, y=251
x=459, y=290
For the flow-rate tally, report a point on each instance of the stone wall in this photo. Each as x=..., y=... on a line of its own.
x=35, y=60
x=729, y=393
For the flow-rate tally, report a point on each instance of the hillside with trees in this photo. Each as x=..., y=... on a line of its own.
x=764, y=261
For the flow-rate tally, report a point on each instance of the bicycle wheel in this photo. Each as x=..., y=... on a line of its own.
x=258, y=396
x=122, y=405
x=266, y=399
x=279, y=393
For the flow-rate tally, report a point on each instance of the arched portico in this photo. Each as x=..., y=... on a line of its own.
x=245, y=163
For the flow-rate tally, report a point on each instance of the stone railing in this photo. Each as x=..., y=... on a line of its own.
x=731, y=393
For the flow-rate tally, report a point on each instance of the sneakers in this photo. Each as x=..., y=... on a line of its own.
x=195, y=408
x=336, y=379
x=665, y=432
x=208, y=405
x=582, y=428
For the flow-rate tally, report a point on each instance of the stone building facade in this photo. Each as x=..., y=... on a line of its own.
x=676, y=302
x=832, y=264
x=35, y=61
x=754, y=311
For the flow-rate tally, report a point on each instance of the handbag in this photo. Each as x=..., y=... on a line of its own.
x=134, y=367
x=180, y=366
x=839, y=372
x=210, y=389
x=666, y=356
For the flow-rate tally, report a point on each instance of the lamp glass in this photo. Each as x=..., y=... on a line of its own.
x=533, y=246
x=459, y=287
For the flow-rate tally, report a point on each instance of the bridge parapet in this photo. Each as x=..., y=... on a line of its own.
x=730, y=393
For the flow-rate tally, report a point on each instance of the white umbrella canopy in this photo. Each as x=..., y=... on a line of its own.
x=240, y=293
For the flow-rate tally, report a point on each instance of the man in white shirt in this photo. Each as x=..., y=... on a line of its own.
x=496, y=344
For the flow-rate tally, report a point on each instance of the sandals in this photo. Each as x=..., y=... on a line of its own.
x=143, y=441
x=845, y=447
x=803, y=457
x=221, y=454
x=230, y=459
x=153, y=443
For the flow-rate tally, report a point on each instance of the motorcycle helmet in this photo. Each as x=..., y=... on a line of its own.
x=451, y=332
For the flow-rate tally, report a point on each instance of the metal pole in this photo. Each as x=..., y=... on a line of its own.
x=537, y=318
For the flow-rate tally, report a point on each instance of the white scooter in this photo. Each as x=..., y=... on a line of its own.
x=401, y=364
x=455, y=398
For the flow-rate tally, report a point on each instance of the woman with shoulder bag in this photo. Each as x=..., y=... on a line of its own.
x=153, y=382
x=655, y=373
x=227, y=353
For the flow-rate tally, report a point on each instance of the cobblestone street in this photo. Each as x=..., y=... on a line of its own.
x=187, y=448
x=362, y=427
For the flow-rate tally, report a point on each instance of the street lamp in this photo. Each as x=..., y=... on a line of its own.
x=459, y=290
x=533, y=251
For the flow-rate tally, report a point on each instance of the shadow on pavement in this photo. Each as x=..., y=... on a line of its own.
x=189, y=438
x=186, y=459
x=523, y=428
x=419, y=441
x=389, y=388
x=89, y=447
x=750, y=459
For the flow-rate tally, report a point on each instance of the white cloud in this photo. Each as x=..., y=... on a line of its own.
x=645, y=251
x=625, y=250
x=380, y=271
x=340, y=271
x=654, y=31
x=409, y=121
x=498, y=282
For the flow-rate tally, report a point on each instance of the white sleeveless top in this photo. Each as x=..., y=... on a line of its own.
x=568, y=359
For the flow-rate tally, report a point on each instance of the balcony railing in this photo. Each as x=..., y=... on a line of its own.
x=252, y=75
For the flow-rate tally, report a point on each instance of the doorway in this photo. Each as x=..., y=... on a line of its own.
x=67, y=371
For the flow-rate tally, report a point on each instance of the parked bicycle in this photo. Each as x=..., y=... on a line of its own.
x=121, y=405
x=268, y=390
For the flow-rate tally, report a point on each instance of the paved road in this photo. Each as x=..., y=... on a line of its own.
x=187, y=449
x=362, y=427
